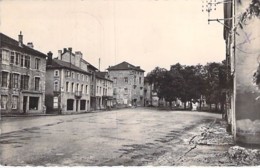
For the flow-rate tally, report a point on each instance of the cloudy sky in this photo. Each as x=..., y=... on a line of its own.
x=147, y=33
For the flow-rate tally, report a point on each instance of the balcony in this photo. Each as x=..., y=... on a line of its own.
x=78, y=94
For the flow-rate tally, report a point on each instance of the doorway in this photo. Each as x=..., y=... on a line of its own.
x=25, y=100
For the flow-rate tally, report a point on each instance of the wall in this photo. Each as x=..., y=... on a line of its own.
x=247, y=94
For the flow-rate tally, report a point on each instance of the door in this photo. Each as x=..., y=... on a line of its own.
x=25, y=99
x=77, y=105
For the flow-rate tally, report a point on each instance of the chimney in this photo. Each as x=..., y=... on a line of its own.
x=64, y=50
x=59, y=54
x=70, y=49
x=49, y=60
x=20, y=39
x=30, y=44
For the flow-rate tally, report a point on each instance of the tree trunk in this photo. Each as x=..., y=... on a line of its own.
x=200, y=105
x=216, y=107
x=185, y=105
x=210, y=107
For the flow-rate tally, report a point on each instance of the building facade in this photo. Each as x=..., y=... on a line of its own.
x=67, y=87
x=22, y=76
x=104, y=91
x=243, y=58
x=128, y=84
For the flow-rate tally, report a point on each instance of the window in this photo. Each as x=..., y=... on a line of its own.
x=56, y=73
x=114, y=91
x=72, y=87
x=67, y=73
x=56, y=86
x=77, y=87
x=81, y=88
x=126, y=90
x=4, y=79
x=86, y=78
x=5, y=56
x=72, y=74
x=17, y=58
x=27, y=61
x=86, y=89
x=97, y=90
x=3, y=101
x=126, y=79
x=22, y=60
x=82, y=77
x=37, y=63
x=140, y=80
x=25, y=82
x=78, y=76
x=15, y=80
x=33, y=103
x=12, y=58
x=70, y=103
x=14, y=102
x=134, y=79
x=55, y=102
x=67, y=86
x=37, y=83
x=115, y=79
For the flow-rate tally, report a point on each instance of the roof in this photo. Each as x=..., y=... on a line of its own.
x=13, y=44
x=89, y=64
x=62, y=64
x=102, y=75
x=125, y=66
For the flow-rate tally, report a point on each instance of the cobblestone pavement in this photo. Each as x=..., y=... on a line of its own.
x=129, y=137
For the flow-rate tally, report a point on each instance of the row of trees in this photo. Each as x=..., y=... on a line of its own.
x=191, y=83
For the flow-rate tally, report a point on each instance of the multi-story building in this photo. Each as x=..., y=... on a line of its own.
x=128, y=84
x=104, y=91
x=22, y=76
x=67, y=87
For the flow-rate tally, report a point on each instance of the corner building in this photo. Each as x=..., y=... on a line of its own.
x=22, y=78
x=128, y=84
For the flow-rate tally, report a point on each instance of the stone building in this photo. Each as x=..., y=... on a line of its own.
x=67, y=87
x=128, y=84
x=22, y=71
x=243, y=60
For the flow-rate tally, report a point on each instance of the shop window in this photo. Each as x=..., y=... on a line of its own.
x=33, y=103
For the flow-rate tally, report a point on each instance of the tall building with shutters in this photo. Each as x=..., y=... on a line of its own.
x=22, y=79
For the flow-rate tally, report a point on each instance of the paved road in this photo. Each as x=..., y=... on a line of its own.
x=123, y=137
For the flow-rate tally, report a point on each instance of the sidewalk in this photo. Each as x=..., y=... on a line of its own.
x=212, y=147
x=55, y=114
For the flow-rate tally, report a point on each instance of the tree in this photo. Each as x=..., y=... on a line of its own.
x=171, y=87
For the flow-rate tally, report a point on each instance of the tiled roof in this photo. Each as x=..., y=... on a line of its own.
x=125, y=66
x=62, y=64
x=102, y=75
x=89, y=64
x=6, y=41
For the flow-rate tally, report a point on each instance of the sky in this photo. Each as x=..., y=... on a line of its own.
x=146, y=33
